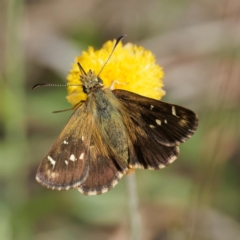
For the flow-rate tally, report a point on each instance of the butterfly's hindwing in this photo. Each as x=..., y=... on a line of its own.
x=103, y=175
x=147, y=153
x=155, y=129
x=67, y=163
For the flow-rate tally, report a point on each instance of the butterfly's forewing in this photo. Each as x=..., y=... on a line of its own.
x=169, y=124
x=67, y=163
x=156, y=129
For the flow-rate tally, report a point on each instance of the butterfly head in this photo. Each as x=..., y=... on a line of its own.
x=91, y=82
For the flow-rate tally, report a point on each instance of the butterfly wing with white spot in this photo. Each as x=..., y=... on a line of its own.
x=156, y=129
x=104, y=173
x=67, y=163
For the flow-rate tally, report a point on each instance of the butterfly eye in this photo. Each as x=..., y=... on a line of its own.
x=84, y=89
x=100, y=80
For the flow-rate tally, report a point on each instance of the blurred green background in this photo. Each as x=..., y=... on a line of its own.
x=197, y=42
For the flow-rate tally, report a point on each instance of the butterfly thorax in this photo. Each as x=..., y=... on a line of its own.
x=91, y=82
x=108, y=128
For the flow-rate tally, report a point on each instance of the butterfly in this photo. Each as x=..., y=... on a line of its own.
x=111, y=132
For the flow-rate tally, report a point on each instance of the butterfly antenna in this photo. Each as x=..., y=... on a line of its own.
x=118, y=40
x=53, y=85
x=81, y=69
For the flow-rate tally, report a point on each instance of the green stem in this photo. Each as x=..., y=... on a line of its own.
x=134, y=207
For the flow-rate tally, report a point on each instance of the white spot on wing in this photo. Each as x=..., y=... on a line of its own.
x=151, y=126
x=104, y=190
x=136, y=165
x=72, y=157
x=165, y=121
x=53, y=162
x=150, y=168
x=158, y=122
x=151, y=107
x=65, y=142
x=114, y=183
x=92, y=193
x=66, y=162
x=82, y=138
x=183, y=122
x=172, y=159
x=81, y=156
x=119, y=175
x=160, y=166
x=174, y=113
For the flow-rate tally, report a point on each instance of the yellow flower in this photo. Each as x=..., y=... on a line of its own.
x=131, y=67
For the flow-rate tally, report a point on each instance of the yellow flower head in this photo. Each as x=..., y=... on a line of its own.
x=131, y=67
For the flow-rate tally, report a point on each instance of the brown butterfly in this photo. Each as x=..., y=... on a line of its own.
x=110, y=133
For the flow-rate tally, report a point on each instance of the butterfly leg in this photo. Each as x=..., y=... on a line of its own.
x=112, y=87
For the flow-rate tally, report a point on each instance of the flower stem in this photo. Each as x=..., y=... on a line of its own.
x=134, y=207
